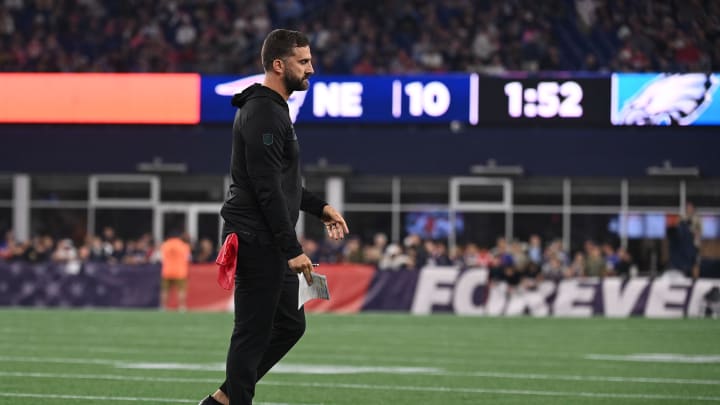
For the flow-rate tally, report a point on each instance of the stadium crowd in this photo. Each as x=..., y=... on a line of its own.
x=513, y=261
x=362, y=37
x=104, y=248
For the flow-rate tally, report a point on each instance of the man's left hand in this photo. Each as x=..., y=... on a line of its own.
x=334, y=223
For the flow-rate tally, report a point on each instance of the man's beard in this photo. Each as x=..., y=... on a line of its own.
x=295, y=83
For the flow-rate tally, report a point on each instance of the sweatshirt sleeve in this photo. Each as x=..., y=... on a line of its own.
x=311, y=203
x=264, y=156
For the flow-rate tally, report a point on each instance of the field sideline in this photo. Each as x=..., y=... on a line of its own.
x=59, y=357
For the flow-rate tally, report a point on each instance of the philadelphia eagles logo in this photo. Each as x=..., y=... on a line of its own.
x=669, y=99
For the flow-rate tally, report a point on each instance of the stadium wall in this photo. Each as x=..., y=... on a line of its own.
x=427, y=150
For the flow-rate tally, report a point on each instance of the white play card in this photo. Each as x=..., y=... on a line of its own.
x=318, y=289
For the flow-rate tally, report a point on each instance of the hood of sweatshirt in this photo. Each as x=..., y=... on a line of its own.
x=257, y=91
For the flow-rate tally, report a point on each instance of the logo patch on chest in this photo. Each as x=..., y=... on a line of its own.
x=267, y=139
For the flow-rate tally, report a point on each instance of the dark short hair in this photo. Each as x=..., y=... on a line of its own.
x=279, y=44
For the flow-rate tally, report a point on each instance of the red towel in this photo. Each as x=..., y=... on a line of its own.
x=227, y=262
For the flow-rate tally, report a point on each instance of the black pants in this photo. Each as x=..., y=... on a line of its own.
x=267, y=321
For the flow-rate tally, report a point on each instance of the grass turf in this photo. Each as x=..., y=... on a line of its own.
x=58, y=357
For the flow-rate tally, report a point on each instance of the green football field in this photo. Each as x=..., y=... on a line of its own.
x=57, y=357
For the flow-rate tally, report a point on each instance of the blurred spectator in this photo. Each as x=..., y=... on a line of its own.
x=353, y=252
x=98, y=250
x=485, y=43
x=695, y=225
x=485, y=258
x=519, y=257
x=471, y=255
x=7, y=246
x=501, y=252
x=586, y=11
x=625, y=266
x=108, y=234
x=65, y=251
x=553, y=269
x=310, y=247
x=66, y=254
x=287, y=10
x=437, y=253
x=592, y=64
x=40, y=250
x=577, y=267
x=330, y=251
x=555, y=249
x=532, y=276
x=611, y=258
x=551, y=60
x=395, y=259
x=176, y=255
x=364, y=66
x=683, y=234
x=512, y=277
x=375, y=252
x=204, y=252
x=108, y=239
x=535, y=250
x=118, y=251
x=595, y=265
x=135, y=253
x=415, y=250
x=146, y=244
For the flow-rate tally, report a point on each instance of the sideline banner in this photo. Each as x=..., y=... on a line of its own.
x=468, y=292
x=355, y=288
x=76, y=285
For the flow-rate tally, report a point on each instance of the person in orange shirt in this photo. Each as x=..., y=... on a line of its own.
x=175, y=255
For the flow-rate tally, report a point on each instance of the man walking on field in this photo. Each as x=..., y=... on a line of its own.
x=260, y=213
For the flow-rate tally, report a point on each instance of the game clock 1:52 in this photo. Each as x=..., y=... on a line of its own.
x=544, y=101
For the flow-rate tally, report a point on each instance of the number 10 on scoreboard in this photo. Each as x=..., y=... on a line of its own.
x=431, y=99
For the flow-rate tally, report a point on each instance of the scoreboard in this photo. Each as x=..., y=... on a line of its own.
x=519, y=99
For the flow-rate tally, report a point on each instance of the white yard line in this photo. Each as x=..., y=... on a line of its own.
x=123, y=399
x=309, y=358
x=375, y=387
x=76, y=348
x=57, y=360
x=659, y=358
x=598, y=378
x=316, y=369
x=291, y=368
x=465, y=390
x=112, y=377
x=97, y=398
x=29, y=347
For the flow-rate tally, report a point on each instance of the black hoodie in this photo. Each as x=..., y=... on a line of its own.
x=266, y=194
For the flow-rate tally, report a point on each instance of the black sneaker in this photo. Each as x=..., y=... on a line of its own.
x=209, y=401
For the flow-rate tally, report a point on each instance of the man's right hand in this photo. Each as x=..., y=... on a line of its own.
x=302, y=264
